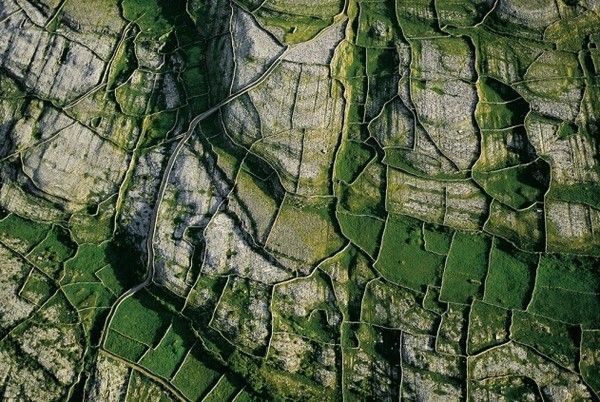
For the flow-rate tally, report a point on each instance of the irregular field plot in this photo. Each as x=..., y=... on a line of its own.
x=141, y=317
x=511, y=276
x=466, y=268
x=194, y=378
x=566, y=289
x=403, y=258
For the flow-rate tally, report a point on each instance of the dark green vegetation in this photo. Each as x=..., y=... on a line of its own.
x=25, y=234
x=519, y=186
x=511, y=276
x=365, y=231
x=466, y=268
x=393, y=200
x=403, y=258
x=566, y=288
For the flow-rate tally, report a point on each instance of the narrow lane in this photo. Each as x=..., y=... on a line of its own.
x=163, y=186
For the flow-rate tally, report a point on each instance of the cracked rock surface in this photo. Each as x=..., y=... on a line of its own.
x=239, y=200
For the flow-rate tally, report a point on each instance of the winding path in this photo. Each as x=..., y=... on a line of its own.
x=163, y=186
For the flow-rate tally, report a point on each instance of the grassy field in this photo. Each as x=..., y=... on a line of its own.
x=24, y=233
x=519, y=187
x=437, y=238
x=37, y=289
x=403, y=258
x=524, y=228
x=364, y=231
x=225, y=390
x=83, y=266
x=166, y=357
x=142, y=318
x=54, y=250
x=480, y=118
x=351, y=160
x=123, y=346
x=511, y=276
x=194, y=378
x=567, y=290
x=590, y=358
x=466, y=268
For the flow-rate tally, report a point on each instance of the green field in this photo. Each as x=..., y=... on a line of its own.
x=403, y=258
x=166, y=357
x=194, y=378
x=142, y=318
x=466, y=268
x=511, y=276
x=566, y=289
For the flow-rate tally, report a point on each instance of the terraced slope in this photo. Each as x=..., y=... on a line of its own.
x=236, y=200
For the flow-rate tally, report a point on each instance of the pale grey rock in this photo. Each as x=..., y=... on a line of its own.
x=459, y=204
x=13, y=308
x=315, y=106
x=37, y=11
x=513, y=359
x=227, y=252
x=243, y=123
x=134, y=96
x=394, y=126
x=20, y=381
x=170, y=92
x=148, y=53
x=283, y=151
x=445, y=109
x=572, y=159
x=302, y=296
x=290, y=351
x=51, y=66
x=62, y=358
x=190, y=200
x=8, y=7
x=531, y=14
x=109, y=380
x=570, y=220
x=15, y=198
x=423, y=386
x=274, y=99
x=243, y=314
x=318, y=50
x=395, y=307
x=76, y=166
x=254, y=49
x=141, y=193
